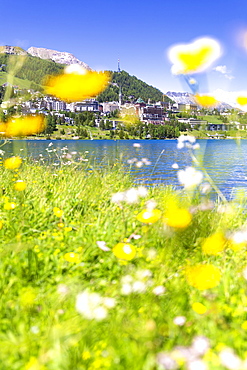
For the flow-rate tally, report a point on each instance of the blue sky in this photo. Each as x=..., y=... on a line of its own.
x=138, y=32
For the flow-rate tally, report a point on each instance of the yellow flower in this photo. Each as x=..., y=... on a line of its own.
x=74, y=87
x=179, y=218
x=214, y=244
x=149, y=216
x=195, y=57
x=20, y=185
x=124, y=251
x=8, y=206
x=199, y=308
x=206, y=100
x=57, y=212
x=203, y=276
x=236, y=246
x=12, y=163
x=72, y=257
x=1, y=225
x=27, y=297
x=242, y=100
x=244, y=325
x=23, y=126
x=60, y=225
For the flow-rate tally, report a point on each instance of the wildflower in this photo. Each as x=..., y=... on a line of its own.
x=1, y=225
x=214, y=244
x=9, y=205
x=166, y=361
x=102, y=246
x=200, y=345
x=159, y=290
x=125, y=251
x=24, y=126
x=197, y=365
x=178, y=218
x=229, y=359
x=195, y=57
x=93, y=306
x=72, y=87
x=72, y=257
x=20, y=185
x=12, y=163
x=205, y=100
x=244, y=325
x=149, y=216
x=57, y=212
x=238, y=240
x=199, y=308
x=203, y=277
x=179, y=320
x=189, y=177
x=27, y=296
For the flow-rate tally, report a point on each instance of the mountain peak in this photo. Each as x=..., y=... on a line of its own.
x=61, y=57
x=6, y=49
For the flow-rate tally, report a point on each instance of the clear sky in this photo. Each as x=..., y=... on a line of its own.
x=139, y=33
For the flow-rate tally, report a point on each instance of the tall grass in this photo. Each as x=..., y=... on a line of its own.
x=49, y=255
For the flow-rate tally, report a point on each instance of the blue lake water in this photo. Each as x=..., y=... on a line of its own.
x=224, y=160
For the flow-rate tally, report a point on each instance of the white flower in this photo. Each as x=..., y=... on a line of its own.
x=139, y=287
x=117, y=197
x=200, y=345
x=142, y=274
x=131, y=195
x=109, y=302
x=189, y=177
x=229, y=359
x=151, y=204
x=93, y=306
x=205, y=188
x=142, y=191
x=126, y=289
x=102, y=246
x=139, y=164
x=197, y=365
x=158, y=290
x=34, y=329
x=239, y=237
x=166, y=361
x=62, y=289
x=179, y=320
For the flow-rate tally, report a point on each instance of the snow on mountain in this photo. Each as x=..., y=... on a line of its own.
x=61, y=57
x=226, y=100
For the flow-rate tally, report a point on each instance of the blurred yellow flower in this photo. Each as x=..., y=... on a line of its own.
x=199, y=308
x=1, y=225
x=73, y=87
x=23, y=126
x=203, y=276
x=72, y=257
x=206, y=100
x=236, y=246
x=125, y=251
x=214, y=244
x=195, y=57
x=242, y=100
x=60, y=225
x=244, y=325
x=12, y=163
x=20, y=185
x=8, y=206
x=27, y=296
x=149, y=216
x=57, y=212
x=179, y=218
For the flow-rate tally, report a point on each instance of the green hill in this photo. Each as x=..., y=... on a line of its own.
x=34, y=70
x=132, y=88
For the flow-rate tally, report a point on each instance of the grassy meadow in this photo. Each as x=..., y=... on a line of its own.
x=100, y=273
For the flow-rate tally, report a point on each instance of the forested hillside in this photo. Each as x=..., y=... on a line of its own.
x=132, y=88
x=33, y=69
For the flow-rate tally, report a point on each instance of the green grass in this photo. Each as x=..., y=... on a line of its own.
x=211, y=119
x=40, y=327
x=22, y=84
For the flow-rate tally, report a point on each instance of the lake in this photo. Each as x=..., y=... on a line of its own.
x=151, y=163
